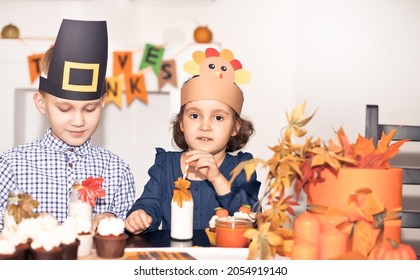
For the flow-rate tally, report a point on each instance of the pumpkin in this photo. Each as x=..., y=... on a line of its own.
x=391, y=250
x=203, y=35
x=10, y=31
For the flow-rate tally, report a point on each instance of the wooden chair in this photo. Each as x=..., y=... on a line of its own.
x=411, y=176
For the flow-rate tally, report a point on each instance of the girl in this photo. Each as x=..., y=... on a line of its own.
x=207, y=129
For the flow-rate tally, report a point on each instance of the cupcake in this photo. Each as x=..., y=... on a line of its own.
x=8, y=250
x=46, y=240
x=84, y=235
x=110, y=238
x=19, y=239
x=68, y=242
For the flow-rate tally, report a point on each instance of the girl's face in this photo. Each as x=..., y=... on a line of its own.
x=71, y=121
x=208, y=125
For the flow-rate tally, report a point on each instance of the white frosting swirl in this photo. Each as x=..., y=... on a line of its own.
x=14, y=235
x=212, y=222
x=47, y=239
x=237, y=215
x=111, y=226
x=7, y=247
x=245, y=216
x=67, y=234
x=80, y=225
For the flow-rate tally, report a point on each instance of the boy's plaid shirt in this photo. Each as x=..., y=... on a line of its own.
x=47, y=168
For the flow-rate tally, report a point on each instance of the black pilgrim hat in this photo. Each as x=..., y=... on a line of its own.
x=78, y=65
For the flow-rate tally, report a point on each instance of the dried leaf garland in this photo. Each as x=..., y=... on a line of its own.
x=181, y=191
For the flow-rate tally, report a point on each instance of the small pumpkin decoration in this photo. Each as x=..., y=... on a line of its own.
x=10, y=31
x=203, y=35
x=391, y=250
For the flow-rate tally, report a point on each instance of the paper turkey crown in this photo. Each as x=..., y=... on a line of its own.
x=78, y=64
x=215, y=76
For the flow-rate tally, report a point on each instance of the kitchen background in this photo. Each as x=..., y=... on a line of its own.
x=336, y=55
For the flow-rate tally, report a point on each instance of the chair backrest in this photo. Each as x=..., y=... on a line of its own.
x=411, y=176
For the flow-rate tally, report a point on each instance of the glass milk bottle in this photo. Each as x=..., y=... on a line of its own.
x=78, y=209
x=13, y=199
x=182, y=220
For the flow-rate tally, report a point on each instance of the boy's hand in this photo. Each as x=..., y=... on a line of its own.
x=138, y=221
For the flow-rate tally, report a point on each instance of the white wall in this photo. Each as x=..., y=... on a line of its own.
x=265, y=46
x=337, y=55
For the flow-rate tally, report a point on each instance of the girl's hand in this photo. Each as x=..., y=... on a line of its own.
x=204, y=163
x=138, y=221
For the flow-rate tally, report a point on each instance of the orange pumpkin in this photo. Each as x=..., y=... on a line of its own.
x=203, y=34
x=391, y=250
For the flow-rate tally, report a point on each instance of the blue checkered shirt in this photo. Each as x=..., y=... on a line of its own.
x=47, y=168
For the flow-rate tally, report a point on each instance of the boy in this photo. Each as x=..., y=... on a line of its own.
x=72, y=97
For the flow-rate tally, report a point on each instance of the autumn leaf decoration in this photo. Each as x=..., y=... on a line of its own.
x=23, y=209
x=90, y=190
x=181, y=191
x=299, y=164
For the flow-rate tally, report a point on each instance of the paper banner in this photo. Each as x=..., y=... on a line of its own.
x=114, y=91
x=135, y=87
x=122, y=63
x=34, y=63
x=152, y=57
x=167, y=74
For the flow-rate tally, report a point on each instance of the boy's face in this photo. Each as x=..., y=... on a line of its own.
x=71, y=121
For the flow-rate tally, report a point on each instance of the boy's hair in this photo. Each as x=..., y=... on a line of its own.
x=46, y=60
x=235, y=143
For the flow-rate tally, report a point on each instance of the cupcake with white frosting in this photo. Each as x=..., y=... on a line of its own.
x=45, y=244
x=68, y=241
x=7, y=250
x=19, y=239
x=110, y=238
x=84, y=235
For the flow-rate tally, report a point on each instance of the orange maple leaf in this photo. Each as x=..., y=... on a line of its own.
x=369, y=157
x=263, y=242
x=181, y=191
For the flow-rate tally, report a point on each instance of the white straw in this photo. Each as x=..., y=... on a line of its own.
x=186, y=171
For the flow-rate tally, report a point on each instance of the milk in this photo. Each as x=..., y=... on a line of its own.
x=78, y=209
x=182, y=220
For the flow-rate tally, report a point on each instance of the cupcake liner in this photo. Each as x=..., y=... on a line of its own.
x=70, y=250
x=110, y=247
x=40, y=254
